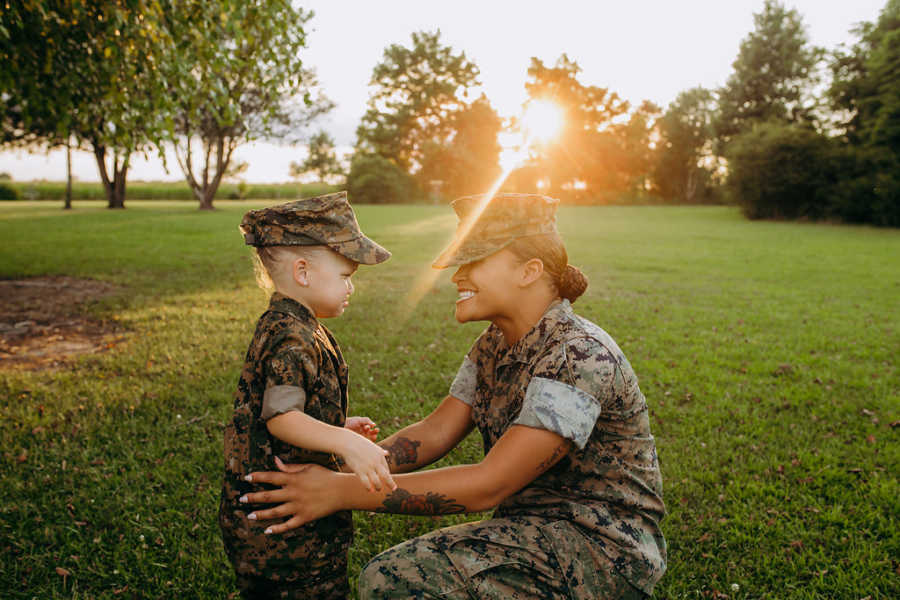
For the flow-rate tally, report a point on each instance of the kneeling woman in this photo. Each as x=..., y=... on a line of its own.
x=569, y=464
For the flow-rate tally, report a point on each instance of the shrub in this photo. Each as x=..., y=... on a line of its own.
x=781, y=171
x=8, y=192
x=788, y=172
x=870, y=190
x=374, y=179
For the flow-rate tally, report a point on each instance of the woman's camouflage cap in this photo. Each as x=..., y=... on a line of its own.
x=321, y=221
x=490, y=223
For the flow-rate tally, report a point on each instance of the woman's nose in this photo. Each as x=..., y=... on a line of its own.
x=350, y=286
x=459, y=275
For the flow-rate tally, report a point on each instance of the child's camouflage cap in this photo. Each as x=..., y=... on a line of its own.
x=321, y=221
x=489, y=223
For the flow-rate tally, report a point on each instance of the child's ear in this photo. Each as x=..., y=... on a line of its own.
x=300, y=272
x=531, y=271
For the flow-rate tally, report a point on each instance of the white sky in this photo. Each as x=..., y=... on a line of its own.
x=642, y=49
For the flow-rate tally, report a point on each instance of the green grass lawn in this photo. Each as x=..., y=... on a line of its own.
x=767, y=352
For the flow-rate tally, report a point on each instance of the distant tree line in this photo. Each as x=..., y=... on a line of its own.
x=797, y=131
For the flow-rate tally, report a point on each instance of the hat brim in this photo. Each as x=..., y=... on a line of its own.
x=361, y=250
x=456, y=254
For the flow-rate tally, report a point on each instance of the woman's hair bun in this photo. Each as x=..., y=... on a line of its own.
x=572, y=283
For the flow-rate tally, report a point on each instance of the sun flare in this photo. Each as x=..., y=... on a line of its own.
x=542, y=121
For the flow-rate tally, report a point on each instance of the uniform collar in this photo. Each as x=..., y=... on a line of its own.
x=534, y=341
x=287, y=305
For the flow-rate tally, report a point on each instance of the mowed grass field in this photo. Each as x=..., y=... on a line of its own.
x=768, y=353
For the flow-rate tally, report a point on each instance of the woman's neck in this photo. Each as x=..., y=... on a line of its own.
x=522, y=317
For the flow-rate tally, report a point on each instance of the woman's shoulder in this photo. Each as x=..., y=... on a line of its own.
x=584, y=337
x=585, y=350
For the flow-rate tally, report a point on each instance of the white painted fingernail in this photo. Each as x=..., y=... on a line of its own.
x=268, y=530
x=248, y=478
x=252, y=516
x=242, y=499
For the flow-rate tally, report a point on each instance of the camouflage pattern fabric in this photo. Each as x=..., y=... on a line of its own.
x=289, y=348
x=597, y=510
x=489, y=223
x=497, y=559
x=609, y=486
x=321, y=221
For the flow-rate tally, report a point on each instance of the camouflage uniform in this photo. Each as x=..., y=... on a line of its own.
x=586, y=528
x=293, y=363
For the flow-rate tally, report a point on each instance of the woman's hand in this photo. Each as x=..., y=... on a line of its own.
x=364, y=426
x=306, y=493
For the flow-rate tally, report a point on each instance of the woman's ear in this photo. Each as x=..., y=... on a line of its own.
x=532, y=270
x=300, y=271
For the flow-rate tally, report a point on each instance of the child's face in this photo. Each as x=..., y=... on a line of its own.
x=328, y=287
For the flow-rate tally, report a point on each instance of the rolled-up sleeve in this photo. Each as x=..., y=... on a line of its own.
x=561, y=408
x=289, y=373
x=463, y=386
x=280, y=399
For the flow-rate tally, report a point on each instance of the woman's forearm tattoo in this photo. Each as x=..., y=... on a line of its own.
x=403, y=451
x=402, y=502
x=551, y=460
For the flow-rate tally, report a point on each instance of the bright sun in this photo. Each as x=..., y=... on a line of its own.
x=542, y=120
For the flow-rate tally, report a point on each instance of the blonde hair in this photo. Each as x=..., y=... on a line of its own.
x=569, y=281
x=269, y=262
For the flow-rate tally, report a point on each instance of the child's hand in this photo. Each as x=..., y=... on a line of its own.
x=364, y=426
x=367, y=460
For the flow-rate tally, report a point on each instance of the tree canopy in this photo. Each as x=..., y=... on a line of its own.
x=685, y=132
x=125, y=77
x=237, y=76
x=774, y=76
x=420, y=119
x=415, y=93
x=90, y=70
x=321, y=161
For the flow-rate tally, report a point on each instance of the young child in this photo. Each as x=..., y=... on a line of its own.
x=291, y=401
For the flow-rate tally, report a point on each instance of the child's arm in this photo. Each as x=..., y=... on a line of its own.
x=361, y=455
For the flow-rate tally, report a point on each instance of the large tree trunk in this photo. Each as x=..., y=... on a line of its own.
x=206, y=199
x=115, y=187
x=68, y=204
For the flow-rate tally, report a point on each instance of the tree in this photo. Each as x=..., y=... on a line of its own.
x=638, y=137
x=87, y=71
x=469, y=162
x=321, y=160
x=586, y=147
x=416, y=93
x=682, y=172
x=238, y=77
x=866, y=89
x=774, y=74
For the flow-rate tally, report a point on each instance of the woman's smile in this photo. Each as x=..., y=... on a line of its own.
x=464, y=295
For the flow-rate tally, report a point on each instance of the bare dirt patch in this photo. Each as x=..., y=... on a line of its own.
x=43, y=323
